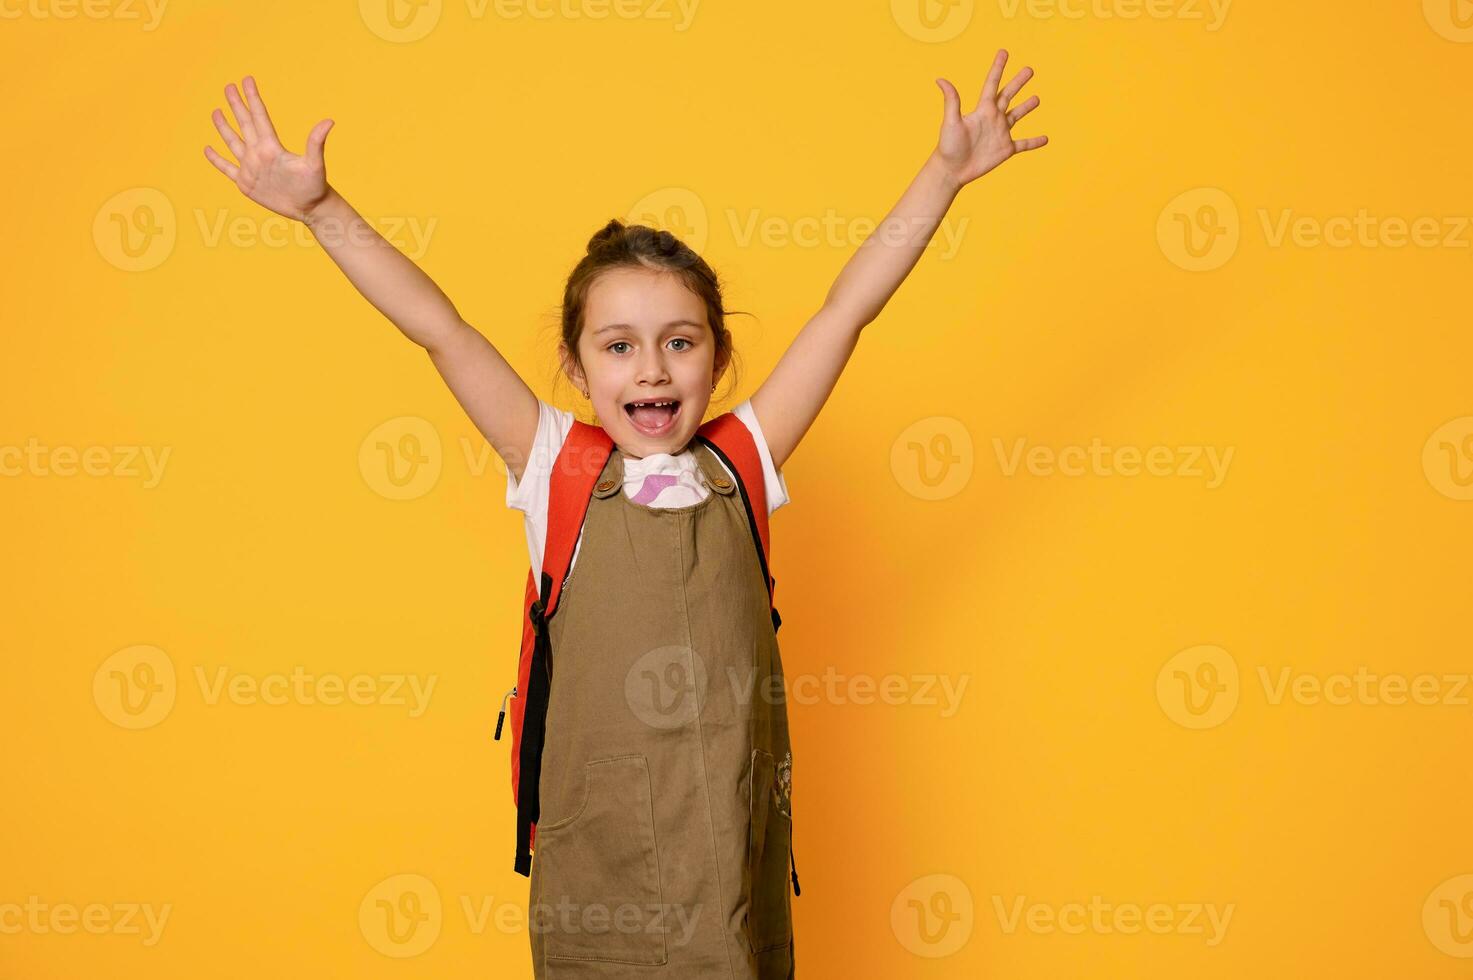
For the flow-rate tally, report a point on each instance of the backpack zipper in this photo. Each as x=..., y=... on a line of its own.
x=794, y=858
x=502, y=716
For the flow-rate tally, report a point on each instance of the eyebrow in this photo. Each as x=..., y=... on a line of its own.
x=672, y=323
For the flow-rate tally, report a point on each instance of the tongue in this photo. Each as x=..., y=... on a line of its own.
x=652, y=417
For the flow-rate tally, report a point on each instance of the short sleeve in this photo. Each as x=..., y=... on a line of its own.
x=777, y=488
x=529, y=495
x=553, y=426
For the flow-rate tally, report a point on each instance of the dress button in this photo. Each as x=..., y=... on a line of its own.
x=721, y=483
x=604, y=486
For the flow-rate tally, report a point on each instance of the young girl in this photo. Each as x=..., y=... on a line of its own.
x=663, y=821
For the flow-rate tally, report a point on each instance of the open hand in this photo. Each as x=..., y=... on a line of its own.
x=288, y=184
x=973, y=144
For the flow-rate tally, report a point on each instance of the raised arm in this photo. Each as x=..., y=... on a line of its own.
x=495, y=397
x=969, y=146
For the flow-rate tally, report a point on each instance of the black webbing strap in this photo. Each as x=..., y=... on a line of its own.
x=534, y=730
x=767, y=578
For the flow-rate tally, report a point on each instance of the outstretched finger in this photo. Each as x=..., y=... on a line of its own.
x=232, y=141
x=952, y=108
x=1031, y=143
x=1011, y=89
x=315, y=141
x=1022, y=110
x=221, y=164
x=258, y=112
x=989, y=88
x=242, y=117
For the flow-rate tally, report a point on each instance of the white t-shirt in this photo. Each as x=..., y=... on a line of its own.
x=657, y=480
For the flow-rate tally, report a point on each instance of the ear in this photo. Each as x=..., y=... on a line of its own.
x=718, y=369
x=570, y=368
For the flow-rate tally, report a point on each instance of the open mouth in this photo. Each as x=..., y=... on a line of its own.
x=653, y=416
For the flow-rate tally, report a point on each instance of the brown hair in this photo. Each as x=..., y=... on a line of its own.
x=616, y=246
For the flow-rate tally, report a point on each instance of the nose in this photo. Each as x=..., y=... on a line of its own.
x=651, y=368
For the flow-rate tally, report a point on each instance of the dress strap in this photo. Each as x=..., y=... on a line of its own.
x=611, y=480
x=714, y=476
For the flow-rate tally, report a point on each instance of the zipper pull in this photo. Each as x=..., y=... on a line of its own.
x=502, y=716
x=794, y=858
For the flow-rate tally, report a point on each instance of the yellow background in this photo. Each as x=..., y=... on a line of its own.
x=1068, y=314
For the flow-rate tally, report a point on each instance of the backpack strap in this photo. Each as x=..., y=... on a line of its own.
x=732, y=442
x=578, y=465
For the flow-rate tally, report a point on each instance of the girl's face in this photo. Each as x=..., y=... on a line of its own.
x=649, y=359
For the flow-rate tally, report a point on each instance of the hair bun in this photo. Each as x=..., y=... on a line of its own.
x=608, y=232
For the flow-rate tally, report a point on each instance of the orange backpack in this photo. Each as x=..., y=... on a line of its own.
x=577, y=467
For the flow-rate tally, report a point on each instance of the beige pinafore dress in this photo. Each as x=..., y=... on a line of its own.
x=664, y=840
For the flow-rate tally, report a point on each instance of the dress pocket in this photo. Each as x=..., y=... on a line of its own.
x=769, y=917
x=599, y=894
